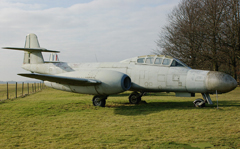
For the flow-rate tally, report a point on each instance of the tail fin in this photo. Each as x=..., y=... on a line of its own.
x=33, y=57
x=33, y=51
x=31, y=41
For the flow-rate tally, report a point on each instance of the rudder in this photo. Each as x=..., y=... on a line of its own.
x=32, y=57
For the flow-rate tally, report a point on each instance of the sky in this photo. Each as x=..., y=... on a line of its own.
x=83, y=30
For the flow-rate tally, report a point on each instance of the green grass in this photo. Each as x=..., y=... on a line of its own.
x=56, y=119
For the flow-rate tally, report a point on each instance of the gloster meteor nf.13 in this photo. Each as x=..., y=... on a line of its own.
x=150, y=73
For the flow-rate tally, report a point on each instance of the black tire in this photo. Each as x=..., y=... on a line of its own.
x=134, y=98
x=197, y=103
x=97, y=101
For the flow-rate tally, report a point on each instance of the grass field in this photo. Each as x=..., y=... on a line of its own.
x=56, y=119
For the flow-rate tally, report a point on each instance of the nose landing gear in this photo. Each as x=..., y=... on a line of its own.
x=200, y=102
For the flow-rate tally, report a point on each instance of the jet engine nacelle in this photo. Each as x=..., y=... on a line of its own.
x=112, y=82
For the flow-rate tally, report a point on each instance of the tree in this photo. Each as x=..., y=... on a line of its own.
x=205, y=34
x=179, y=37
x=213, y=16
x=231, y=36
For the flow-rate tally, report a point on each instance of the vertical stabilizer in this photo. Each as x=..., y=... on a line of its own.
x=32, y=57
x=31, y=41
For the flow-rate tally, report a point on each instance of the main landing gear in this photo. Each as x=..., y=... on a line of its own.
x=200, y=102
x=135, y=97
x=99, y=101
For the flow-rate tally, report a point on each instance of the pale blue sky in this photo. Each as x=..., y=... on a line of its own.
x=113, y=30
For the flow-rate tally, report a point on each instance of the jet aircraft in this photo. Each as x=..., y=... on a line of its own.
x=149, y=73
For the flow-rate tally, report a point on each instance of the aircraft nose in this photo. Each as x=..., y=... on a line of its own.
x=220, y=81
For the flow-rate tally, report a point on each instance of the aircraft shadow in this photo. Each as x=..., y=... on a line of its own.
x=153, y=107
x=228, y=103
x=147, y=94
x=148, y=108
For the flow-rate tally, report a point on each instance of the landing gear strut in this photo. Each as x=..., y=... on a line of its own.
x=99, y=101
x=135, y=97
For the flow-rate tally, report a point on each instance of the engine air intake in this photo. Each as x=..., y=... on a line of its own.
x=126, y=82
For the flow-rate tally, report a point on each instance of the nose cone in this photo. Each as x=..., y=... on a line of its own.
x=220, y=81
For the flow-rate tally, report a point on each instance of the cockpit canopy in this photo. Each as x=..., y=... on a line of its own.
x=158, y=60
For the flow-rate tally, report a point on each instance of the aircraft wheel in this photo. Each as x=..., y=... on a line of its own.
x=98, y=101
x=199, y=103
x=134, y=98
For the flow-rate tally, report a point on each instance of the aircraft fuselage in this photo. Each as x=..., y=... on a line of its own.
x=145, y=78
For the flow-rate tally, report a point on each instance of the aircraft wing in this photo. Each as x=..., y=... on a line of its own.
x=62, y=79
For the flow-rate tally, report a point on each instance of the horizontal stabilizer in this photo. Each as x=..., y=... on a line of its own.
x=62, y=79
x=31, y=49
